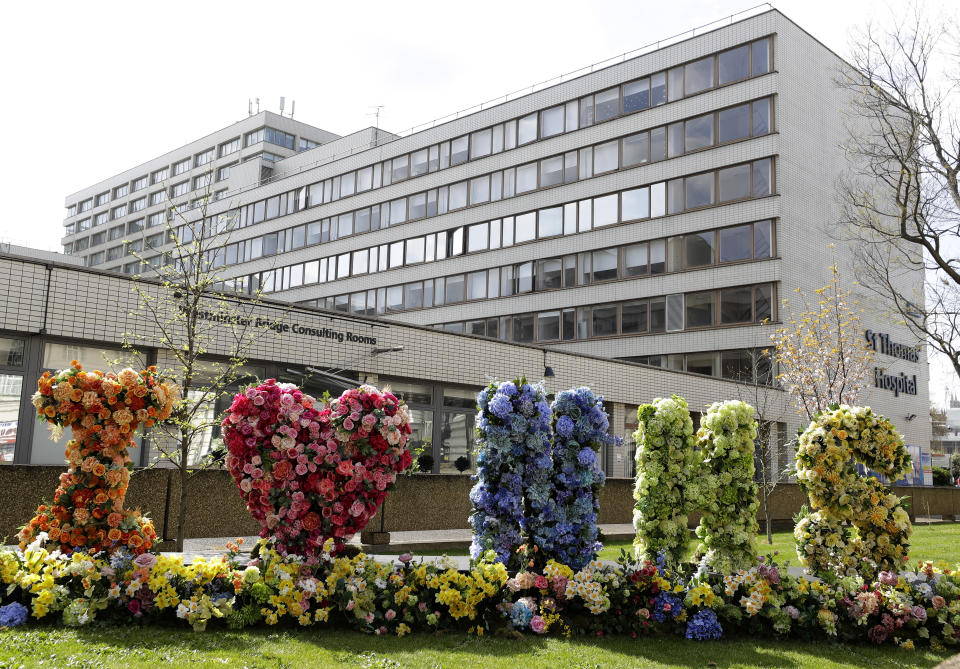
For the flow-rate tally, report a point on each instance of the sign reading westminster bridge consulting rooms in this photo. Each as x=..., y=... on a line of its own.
x=283, y=328
x=881, y=343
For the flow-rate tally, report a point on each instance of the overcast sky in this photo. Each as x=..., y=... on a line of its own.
x=93, y=88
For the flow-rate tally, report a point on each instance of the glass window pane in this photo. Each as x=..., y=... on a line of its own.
x=734, y=64
x=734, y=183
x=418, y=206
x=415, y=250
x=699, y=309
x=761, y=117
x=394, y=298
x=458, y=195
x=698, y=76
x=360, y=261
x=674, y=312
x=570, y=218
x=700, y=190
x=636, y=149
x=11, y=387
x=551, y=171
x=736, y=305
x=658, y=89
x=509, y=135
x=635, y=260
x=585, y=215
x=604, y=264
x=525, y=277
x=400, y=169
x=523, y=328
x=457, y=442
x=526, y=227
x=480, y=143
x=573, y=115
x=480, y=189
x=699, y=249
x=477, y=237
x=454, y=290
x=761, y=57
x=459, y=148
x=605, y=210
x=548, y=326
x=586, y=111
x=675, y=139
x=607, y=104
x=476, y=285
x=763, y=303
x=604, y=321
x=675, y=196
x=11, y=352
x=570, y=167
x=636, y=95
x=585, y=167
x=636, y=204
x=761, y=177
x=763, y=239
x=527, y=129
x=605, y=157
x=396, y=254
x=498, y=138
x=658, y=315
x=735, y=243
x=633, y=318
x=551, y=122
x=526, y=177
x=735, y=365
x=551, y=222
x=734, y=123
x=658, y=144
x=702, y=363
x=698, y=132
x=675, y=83
x=569, y=325
x=550, y=274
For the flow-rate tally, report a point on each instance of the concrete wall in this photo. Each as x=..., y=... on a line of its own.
x=419, y=502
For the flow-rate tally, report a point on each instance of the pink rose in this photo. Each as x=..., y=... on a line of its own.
x=357, y=508
x=538, y=624
x=540, y=582
x=390, y=614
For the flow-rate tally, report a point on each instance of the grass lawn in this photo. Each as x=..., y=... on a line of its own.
x=127, y=647
x=939, y=541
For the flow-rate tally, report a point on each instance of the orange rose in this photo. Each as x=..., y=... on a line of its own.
x=113, y=534
x=54, y=533
x=99, y=469
x=76, y=395
x=114, y=519
x=135, y=540
x=49, y=411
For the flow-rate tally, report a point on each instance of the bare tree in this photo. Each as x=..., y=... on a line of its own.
x=754, y=386
x=901, y=202
x=204, y=332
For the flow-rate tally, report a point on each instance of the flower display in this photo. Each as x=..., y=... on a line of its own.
x=579, y=431
x=103, y=411
x=514, y=470
x=667, y=486
x=729, y=522
x=842, y=499
x=309, y=472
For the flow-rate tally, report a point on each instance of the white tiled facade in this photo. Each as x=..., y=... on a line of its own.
x=800, y=142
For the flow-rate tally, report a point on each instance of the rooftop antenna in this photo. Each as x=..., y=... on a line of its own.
x=258, y=105
x=249, y=107
x=282, y=102
x=376, y=114
x=293, y=105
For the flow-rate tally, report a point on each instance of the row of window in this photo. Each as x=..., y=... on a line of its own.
x=742, y=181
x=753, y=241
x=743, y=365
x=669, y=313
x=198, y=160
x=742, y=62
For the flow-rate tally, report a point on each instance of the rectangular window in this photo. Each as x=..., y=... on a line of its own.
x=636, y=149
x=230, y=147
x=605, y=157
x=699, y=249
x=675, y=140
x=572, y=114
x=734, y=183
x=305, y=144
x=394, y=298
x=119, y=212
x=527, y=129
x=635, y=260
x=551, y=122
x=480, y=189
x=551, y=171
x=158, y=197
x=761, y=117
x=700, y=190
x=115, y=233
x=698, y=76
x=360, y=259
x=735, y=243
x=140, y=183
x=526, y=227
x=658, y=89
x=604, y=321
x=203, y=158
x=604, y=264
x=570, y=167
x=480, y=143
x=736, y=305
x=761, y=56
x=458, y=195
x=454, y=289
x=396, y=254
x=279, y=138
x=762, y=303
x=459, y=150
x=181, y=167
x=103, y=198
x=347, y=184
x=223, y=173
x=675, y=84
x=607, y=105
x=734, y=123
x=526, y=177
x=477, y=237
x=418, y=206
x=698, y=133
x=477, y=285
x=701, y=363
x=418, y=163
x=551, y=222
x=364, y=179
x=548, y=326
x=763, y=239
x=633, y=318
x=636, y=95
x=605, y=210
x=636, y=204
x=161, y=175
x=550, y=274
x=675, y=196
x=658, y=144
x=398, y=211
x=762, y=178
x=413, y=295
x=674, y=312
x=734, y=65
x=400, y=168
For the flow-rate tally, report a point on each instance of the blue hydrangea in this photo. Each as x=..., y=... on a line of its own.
x=704, y=626
x=520, y=615
x=666, y=606
x=564, y=426
x=13, y=615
